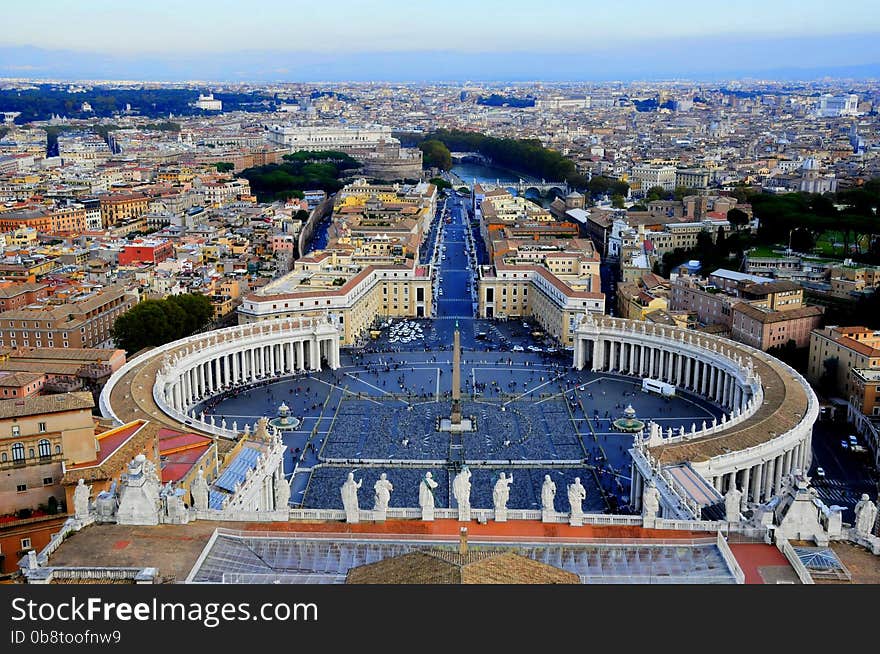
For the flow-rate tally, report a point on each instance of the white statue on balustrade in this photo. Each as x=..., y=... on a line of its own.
x=200, y=492
x=500, y=496
x=282, y=493
x=866, y=516
x=350, y=499
x=382, y=492
x=461, y=490
x=426, y=496
x=81, y=500
x=576, y=495
x=732, y=504
x=548, y=495
x=650, y=500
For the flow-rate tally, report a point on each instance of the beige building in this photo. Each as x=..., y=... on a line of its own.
x=838, y=352
x=554, y=282
x=36, y=435
x=82, y=321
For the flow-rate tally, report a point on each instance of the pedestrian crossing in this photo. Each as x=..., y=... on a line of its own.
x=834, y=491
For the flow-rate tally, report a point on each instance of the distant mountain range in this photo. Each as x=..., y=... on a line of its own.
x=715, y=59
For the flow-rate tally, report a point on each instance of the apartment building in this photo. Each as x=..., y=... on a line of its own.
x=61, y=220
x=36, y=434
x=121, y=208
x=83, y=320
x=847, y=360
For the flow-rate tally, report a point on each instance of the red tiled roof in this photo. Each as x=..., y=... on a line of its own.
x=176, y=466
x=110, y=441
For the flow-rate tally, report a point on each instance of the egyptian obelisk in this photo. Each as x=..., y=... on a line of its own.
x=455, y=416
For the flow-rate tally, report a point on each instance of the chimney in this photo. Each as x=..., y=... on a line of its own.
x=462, y=541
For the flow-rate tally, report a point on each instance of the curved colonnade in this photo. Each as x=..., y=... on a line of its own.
x=766, y=430
x=165, y=383
x=764, y=434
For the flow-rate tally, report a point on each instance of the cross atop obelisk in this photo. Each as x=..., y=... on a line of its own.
x=455, y=416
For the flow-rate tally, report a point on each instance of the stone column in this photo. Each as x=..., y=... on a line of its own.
x=756, y=483
x=236, y=370
x=746, y=474
x=768, y=478
x=786, y=462
x=777, y=481
x=300, y=356
x=315, y=354
x=178, y=400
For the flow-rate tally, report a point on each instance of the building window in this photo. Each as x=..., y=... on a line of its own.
x=18, y=452
x=21, y=488
x=45, y=448
x=25, y=543
x=47, y=481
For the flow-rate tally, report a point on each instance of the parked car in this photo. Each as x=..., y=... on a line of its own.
x=518, y=348
x=820, y=472
x=844, y=445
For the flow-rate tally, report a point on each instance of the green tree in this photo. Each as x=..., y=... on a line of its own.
x=655, y=193
x=440, y=183
x=617, y=201
x=155, y=322
x=738, y=218
x=435, y=154
x=224, y=166
x=681, y=192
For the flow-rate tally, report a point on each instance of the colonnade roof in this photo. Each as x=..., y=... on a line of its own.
x=785, y=404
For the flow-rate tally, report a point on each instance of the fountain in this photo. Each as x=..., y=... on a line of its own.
x=628, y=422
x=285, y=421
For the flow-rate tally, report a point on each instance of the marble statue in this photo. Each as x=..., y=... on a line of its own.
x=350, y=498
x=500, y=496
x=139, y=501
x=461, y=490
x=81, y=500
x=382, y=491
x=548, y=494
x=261, y=431
x=576, y=495
x=866, y=516
x=732, y=504
x=650, y=500
x=282, y=493
x=426, y=496
x=200, y=492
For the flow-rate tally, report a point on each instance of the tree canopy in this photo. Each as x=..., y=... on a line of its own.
x=301, y=171
x=435, y=154
x=155, y=322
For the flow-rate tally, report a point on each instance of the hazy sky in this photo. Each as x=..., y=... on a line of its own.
x=347, y=26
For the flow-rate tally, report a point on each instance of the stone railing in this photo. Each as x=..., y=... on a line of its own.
x=97, y=575
x=237, y=515
x=795, y=561
x=676, y=496
x=730, y=559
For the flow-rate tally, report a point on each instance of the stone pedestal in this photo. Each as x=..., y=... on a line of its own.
x=352, y=517
x=379, y=515
x=428, y=514
x=464, y=514
x=576, y=519
x=501, y=515
x=548, y=516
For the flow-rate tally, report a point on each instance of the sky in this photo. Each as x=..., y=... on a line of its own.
x=476, y=39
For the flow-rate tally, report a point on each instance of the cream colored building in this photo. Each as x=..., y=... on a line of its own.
x=554, y=282
x=36, y=435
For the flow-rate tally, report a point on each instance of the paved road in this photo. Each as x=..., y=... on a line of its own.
x=456, y=274
x=848, y=474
